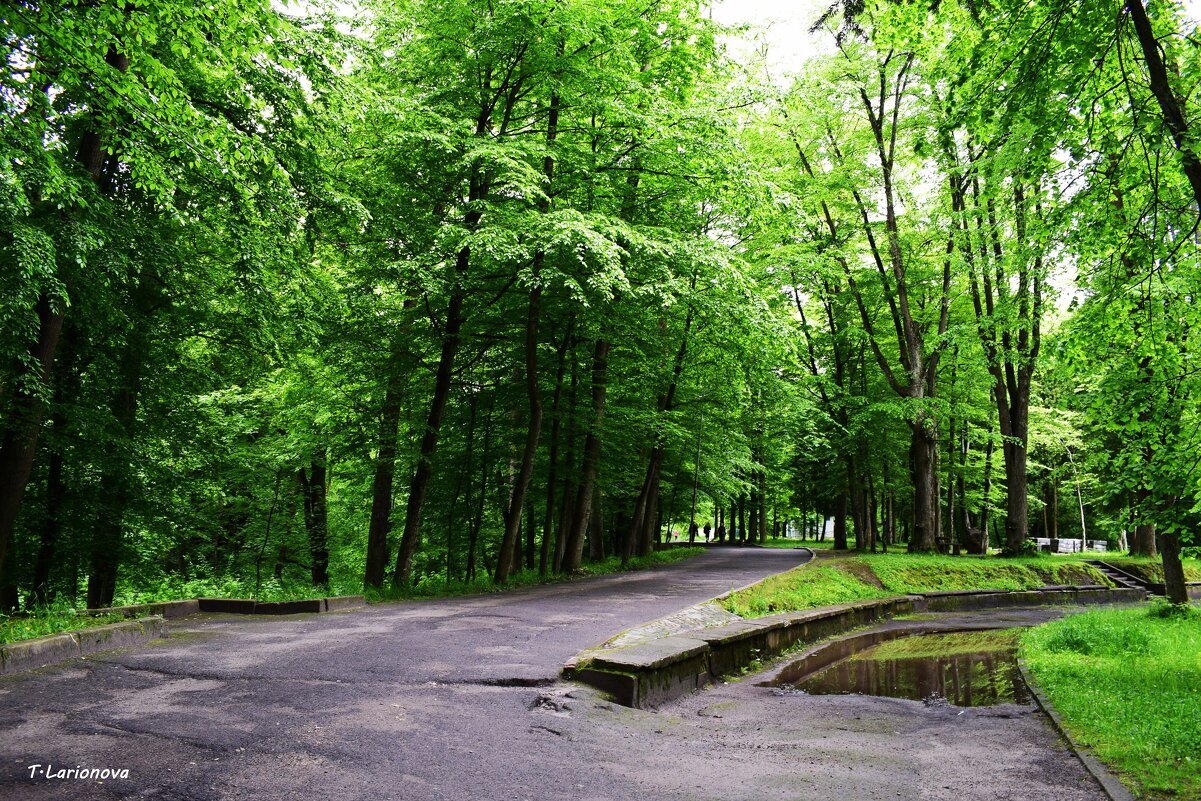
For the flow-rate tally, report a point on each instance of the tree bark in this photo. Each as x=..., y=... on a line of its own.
x=316, y=518
x=505, y=564
x=923, y=452
x=1173, y=570
x=382, y=483
x=574, y=550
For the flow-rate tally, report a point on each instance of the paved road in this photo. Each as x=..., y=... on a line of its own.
x=455, y=699
x=459, y=700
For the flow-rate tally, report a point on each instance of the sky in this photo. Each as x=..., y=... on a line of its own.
x=784, y=27
x=781, y=25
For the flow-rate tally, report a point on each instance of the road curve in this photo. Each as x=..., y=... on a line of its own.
x=427, y=700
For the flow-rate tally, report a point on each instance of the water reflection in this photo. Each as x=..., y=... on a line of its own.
x=963, y=679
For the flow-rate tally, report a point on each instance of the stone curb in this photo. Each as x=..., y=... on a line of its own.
x=1109, y=783
x=167, y=609
x=653, y=672
x=235, y=606
x=583, y=656
x=25, y=655
x=960, y=600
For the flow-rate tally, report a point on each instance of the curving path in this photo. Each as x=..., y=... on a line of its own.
x=460, y=700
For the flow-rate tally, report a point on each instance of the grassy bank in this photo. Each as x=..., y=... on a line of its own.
x=1128, y=684
x=793, y=542
x=840, y=579
x=41, y=622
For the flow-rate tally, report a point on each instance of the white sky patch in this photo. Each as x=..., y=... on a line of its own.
x=780, y=31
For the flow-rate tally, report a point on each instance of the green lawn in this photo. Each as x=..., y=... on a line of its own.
x=838, y=579
x=1128, y=685
x=787, y=542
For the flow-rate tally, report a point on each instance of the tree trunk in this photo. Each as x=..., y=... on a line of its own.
x=65, y=388
x=596, y=529
x=381, y=491
x=1173, y=570
x=574, y=550
x=546, y=558
x=115, y=489
x=419, y=486
x=477, y=519
x=567, y=504
x=1143, y=541
x=506, y=563
x=923, y=455
x=316, y=518
x=1169, y=105
x=742, y=533
x=840, y=523
x=22, y=428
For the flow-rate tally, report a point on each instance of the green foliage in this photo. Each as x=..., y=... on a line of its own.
x=48, y=619
x=1136, y=714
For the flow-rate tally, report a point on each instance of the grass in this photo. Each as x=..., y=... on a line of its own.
x=47, y=620
x=1128, y=685
x=839, y=579
x=793, y=542
x=441, y=588
x=806, y=587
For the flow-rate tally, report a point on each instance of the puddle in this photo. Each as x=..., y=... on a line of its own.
x=974, y=668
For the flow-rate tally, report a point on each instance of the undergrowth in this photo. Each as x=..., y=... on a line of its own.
x=42, y=620
x=439, y=587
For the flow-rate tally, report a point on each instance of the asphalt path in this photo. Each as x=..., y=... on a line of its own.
x=450, y=699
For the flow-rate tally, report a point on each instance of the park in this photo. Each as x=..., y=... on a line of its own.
x=577, y=399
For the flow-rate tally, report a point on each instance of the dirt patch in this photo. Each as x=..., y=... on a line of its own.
x=1077, y=573
x=861, y=571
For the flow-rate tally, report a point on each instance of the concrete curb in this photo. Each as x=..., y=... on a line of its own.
x=656, y=671
x=1109, y=783
x=586, y=654
x=167, y=609
x=248, y=606
x=25, y=655
x=234, y=606
x=960, y=600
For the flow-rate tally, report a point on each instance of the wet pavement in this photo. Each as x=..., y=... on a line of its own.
x=460, y=699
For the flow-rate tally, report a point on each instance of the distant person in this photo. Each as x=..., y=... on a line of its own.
x=720, y=533
x=708, y=530
x=692, y=529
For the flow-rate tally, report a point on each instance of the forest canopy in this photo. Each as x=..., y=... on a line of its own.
x=408, y=294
